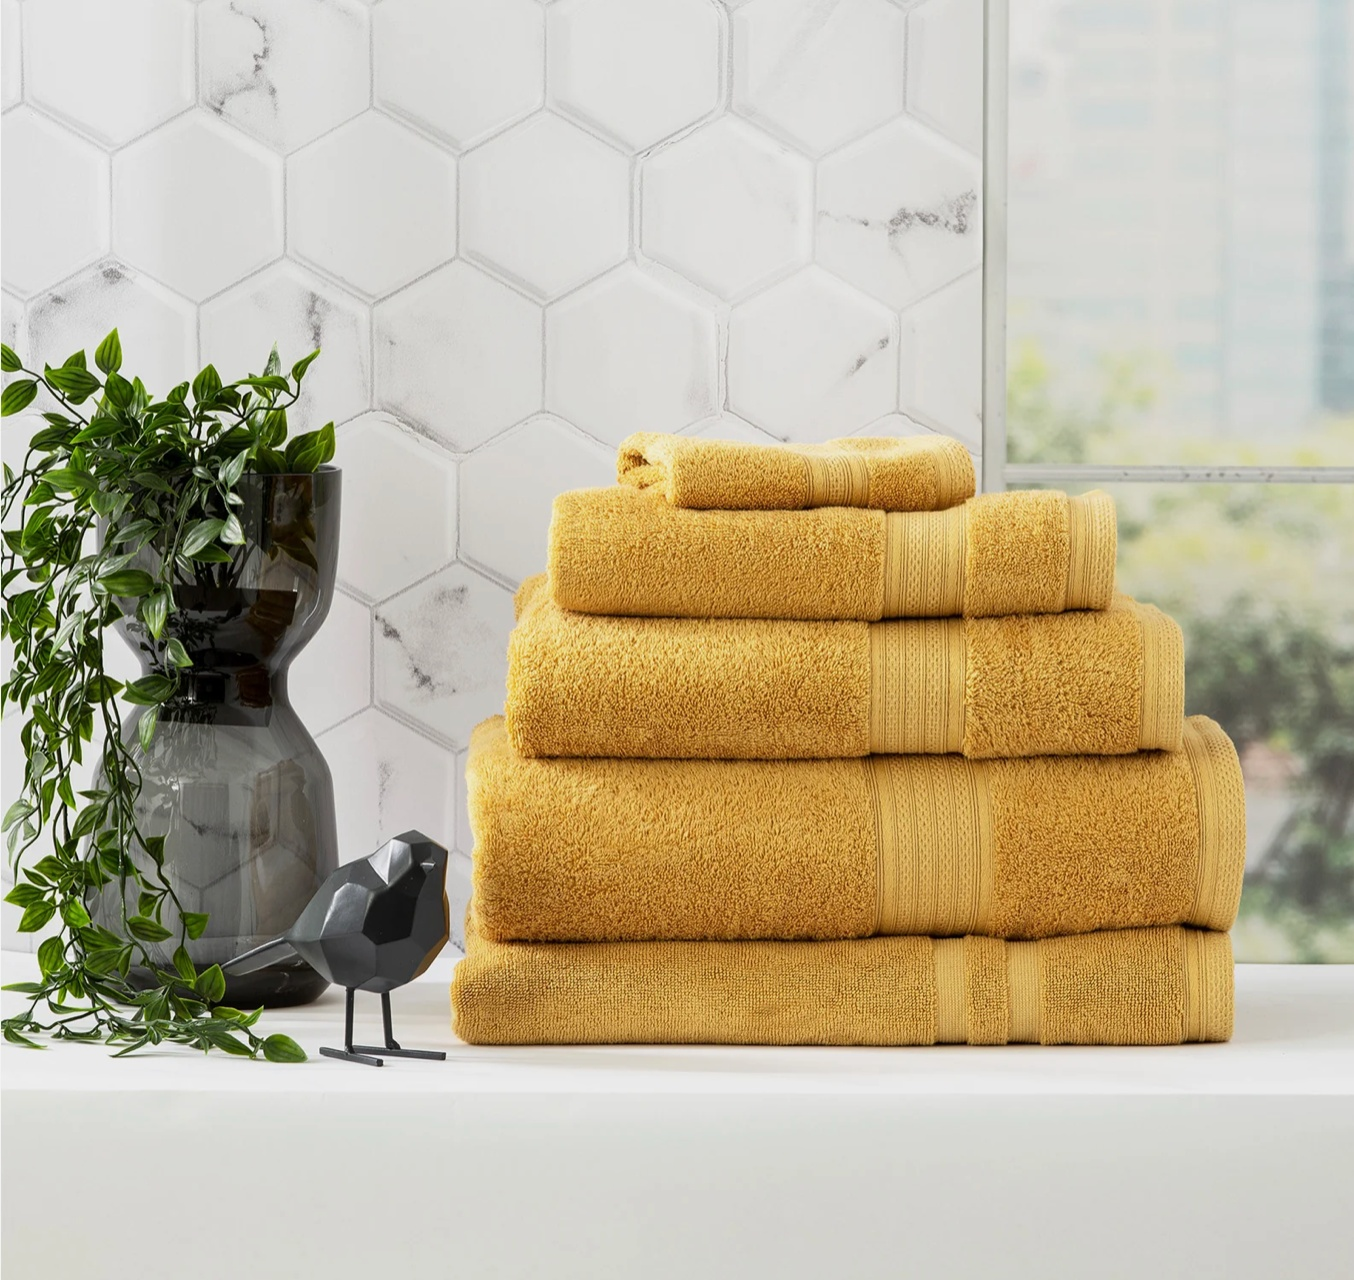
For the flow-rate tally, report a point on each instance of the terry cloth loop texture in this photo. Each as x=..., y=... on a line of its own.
x=908, y=473
x=624, y=551
x=1134, y=986
x=611, y=849
x=1092, y=682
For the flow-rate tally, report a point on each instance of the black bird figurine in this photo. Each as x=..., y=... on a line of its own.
x=373, y=925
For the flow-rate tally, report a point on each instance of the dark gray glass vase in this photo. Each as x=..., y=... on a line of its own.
x=233, y=780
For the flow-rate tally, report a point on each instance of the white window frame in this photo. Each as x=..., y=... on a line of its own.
x=997, y=473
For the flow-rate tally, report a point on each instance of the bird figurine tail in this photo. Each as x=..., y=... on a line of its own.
x=277, y=949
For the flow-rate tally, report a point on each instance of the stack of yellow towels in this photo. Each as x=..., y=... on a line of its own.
x=808, y=745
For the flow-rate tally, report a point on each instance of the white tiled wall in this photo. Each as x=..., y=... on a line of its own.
x=519, y=231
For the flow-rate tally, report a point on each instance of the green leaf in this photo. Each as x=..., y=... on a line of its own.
x=145, y=727
x=311, y=451
x=211, y=984
x=194, y=923
x=177, y=654
x=298, y=370
x=51, y=956
x=212, y=555
x=17, y=812
x=206, y=384
x=154, y=609
x=70, y=480
x=118, y=390
x=200, y=534
x=9, y=362
x=232, y=469
x=280, y=1048
x=108, y=354
x=24, y=895
x=75, y=383
x=146, y=930
x=184, y=965
x=127, y=582
x=74, y=913
x=36, y=916
x=15, y=1036
x=274, y=363
x=148, y=691
x=232, y=532
x=17, y=396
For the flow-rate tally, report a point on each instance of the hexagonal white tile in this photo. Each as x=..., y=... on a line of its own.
x=465, y=837
x=12, y=321
x=460, y=68
x=81, y=56
x=812, y=359
x=459, y=872
x=54, y=201
x=441, y=652
x=459, y=354
x=372, y=203
x=388, y=779
x=628, y=354
x=729, y=426
x=11, y=69
x=162, y=224
x=819, y=71
x=941, y=364
x=157, y=328
x=638, y=72
x=285, y=73
x=945, y=68
x=287, y=305
x=727, y=207
x=521, y=473
x=546, y=204
x=900, y=212
x=330, y=679
x=399, y=506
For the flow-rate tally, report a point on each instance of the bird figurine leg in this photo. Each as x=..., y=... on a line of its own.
x=392, y=1046
x=351, y=1052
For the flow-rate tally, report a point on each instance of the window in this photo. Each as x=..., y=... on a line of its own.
x=1170, y=315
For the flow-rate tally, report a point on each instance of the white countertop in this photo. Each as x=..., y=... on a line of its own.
x=1294, y=1036
x=649, y=1162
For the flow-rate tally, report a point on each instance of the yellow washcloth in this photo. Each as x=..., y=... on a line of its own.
x=625, y=551
x=1135, y=986
x=1085, y=683
x=606, y=850
x=908, y=473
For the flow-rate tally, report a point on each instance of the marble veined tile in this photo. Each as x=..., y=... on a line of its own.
x=441, y=652
x=638, y=72
x=945, y=68
x=812, y=359
x=941, y=360
x=296, y=309
x=459, y=355
x=900, y=212
x=630, y=354
x=285, y=73
x=330, y=678
x=11, y=54
x=727, y=207
x=53, y=201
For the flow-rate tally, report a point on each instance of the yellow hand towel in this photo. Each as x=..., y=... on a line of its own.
x=606, y=850
x=1085, y=683
x=908, y=473
x=622, y=550
x=1135, y=986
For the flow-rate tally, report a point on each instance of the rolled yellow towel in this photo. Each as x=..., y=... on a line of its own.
x=906, y=473
x=1091, y=682
x=624, y=551
x=1134, y=986
x=605, y=850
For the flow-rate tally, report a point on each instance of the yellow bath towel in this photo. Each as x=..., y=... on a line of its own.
x=607, y=850
x=625, y=551
x=1135, y=986
x=908, y=473
x=1090, y=682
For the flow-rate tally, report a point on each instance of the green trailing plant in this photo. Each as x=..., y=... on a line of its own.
x=114, y=481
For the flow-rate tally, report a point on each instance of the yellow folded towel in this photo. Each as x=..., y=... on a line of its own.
x=1085, y=683
x=607, y=850
x=624, y=551
x=1135, y=986
x=909, y=473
